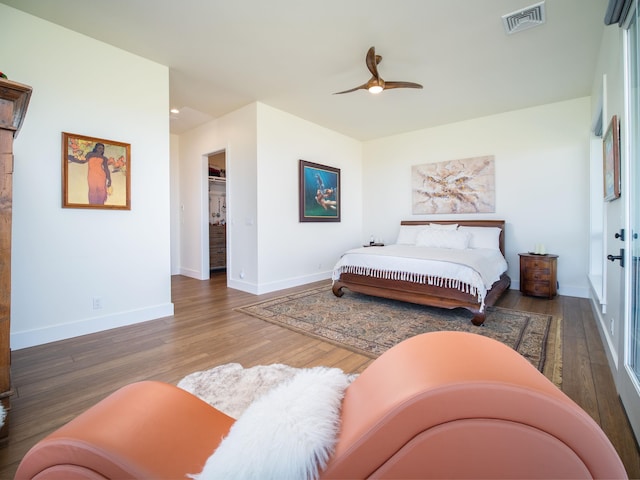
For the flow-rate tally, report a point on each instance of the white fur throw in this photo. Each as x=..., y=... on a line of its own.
x=289, y=433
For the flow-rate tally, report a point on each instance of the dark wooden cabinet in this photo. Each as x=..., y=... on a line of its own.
x=217, y=246
x=538, y=275
x=14, y=99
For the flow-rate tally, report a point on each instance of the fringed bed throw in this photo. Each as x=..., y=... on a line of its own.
x=421, y=278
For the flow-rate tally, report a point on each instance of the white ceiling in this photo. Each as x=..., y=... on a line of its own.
x=293, y=54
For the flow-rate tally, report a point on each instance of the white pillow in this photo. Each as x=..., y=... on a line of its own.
x=408, y=233
x=444, y=226
x=437, y=238
x=483, y=237
x=288, y=433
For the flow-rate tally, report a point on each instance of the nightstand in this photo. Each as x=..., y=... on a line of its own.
x=538, y=275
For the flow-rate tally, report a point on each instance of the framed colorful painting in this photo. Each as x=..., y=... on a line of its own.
x=319, y=189
x=96, y=173
x=611, y=161
x=466, y=185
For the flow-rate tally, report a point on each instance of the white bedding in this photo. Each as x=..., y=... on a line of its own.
x=471, y=270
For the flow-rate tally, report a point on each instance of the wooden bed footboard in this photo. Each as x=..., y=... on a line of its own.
x=421, y=294
x=429, y=295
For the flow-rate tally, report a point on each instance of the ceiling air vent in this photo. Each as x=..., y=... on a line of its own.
x=528, y=17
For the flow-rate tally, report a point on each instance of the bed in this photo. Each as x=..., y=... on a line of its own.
x=470, y=272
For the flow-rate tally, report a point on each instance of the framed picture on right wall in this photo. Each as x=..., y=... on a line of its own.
x=611, y=160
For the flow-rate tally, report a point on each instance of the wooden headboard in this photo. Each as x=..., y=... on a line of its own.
x=467, y=223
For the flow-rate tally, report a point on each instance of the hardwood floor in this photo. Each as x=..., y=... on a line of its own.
x=57, y=381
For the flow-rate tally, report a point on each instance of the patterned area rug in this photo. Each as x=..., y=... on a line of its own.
x=370, y=325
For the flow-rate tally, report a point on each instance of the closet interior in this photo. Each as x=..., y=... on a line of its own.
x=217, y=211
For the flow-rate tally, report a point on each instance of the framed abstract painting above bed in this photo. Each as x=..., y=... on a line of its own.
x=446, y=264
x=460, y=186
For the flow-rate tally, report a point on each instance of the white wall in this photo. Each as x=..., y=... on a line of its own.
x=542, y=181
x=62, y=258
x=236, y=134
x=292, y=252
x=268, y=249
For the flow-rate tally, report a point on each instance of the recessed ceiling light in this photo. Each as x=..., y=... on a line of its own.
x=174, y=110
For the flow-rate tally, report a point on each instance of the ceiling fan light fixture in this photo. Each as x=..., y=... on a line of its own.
x=375, y=85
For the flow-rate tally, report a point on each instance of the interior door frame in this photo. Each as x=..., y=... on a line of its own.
x=205, y=262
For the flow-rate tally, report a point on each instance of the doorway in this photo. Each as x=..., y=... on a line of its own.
x=217, y=215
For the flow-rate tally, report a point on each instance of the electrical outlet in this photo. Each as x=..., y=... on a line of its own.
x=97, y=303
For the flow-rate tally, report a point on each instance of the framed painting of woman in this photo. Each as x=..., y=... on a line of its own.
x=96, y=173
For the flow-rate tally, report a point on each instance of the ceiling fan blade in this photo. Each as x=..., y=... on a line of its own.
x=361, y=87
x=388, y=85
x=372, y=61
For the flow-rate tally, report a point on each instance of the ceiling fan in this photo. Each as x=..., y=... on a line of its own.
x=376, y=84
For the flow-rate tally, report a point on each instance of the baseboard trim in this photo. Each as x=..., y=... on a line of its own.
x=54, y=333
x=188, y=272
x=292, y=282
x=276, y=286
